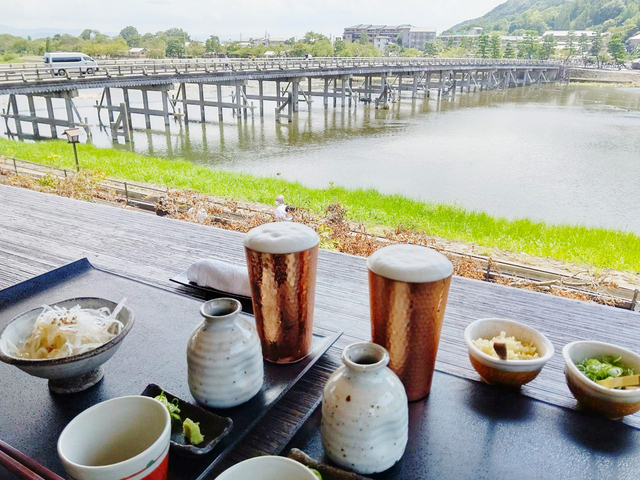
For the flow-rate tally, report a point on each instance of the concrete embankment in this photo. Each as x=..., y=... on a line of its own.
x=592, y=75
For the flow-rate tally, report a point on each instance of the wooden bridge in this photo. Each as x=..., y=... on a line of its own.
x=344, y=80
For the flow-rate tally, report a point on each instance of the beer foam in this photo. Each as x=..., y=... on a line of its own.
x=281, y=237
x=410, y=263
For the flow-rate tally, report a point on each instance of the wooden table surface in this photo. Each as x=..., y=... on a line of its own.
x=39, y=232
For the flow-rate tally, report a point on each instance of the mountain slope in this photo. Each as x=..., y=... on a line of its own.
x=541, y=15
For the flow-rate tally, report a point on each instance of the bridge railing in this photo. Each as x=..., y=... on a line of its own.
x=216, y=65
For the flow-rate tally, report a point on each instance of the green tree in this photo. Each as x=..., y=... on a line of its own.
x=301, y=49
x=431, y=49
x=547, y=47
x=47, y=47
x=131, y=36
x=322, y=48
x=175, y=47
x=312, y=37
x=528, y=46
x=394, y=50
x=584, y=46
x=195, y=49
x=468, y=44
x=494, y=46
x=616, y=48
x=115, y=47
x=483, y=46
x=596, y=47
x=411, y=52
x=20, y=45
x=364, y=39
x=509, y=51
x=571, y=44
x=86, y=34
x=178, y=33
x=212, y=44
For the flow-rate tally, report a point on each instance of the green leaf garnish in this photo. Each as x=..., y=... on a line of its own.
x=609, y=367
x=173, y=408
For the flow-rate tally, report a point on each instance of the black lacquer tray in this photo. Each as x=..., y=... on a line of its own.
x=470, y=430
x=153, y=352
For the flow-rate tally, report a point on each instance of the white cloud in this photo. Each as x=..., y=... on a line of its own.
x=281, y=18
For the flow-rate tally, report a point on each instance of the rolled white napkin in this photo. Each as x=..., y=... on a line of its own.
x=222, y=276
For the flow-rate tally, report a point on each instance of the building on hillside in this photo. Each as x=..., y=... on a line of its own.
x=381, y=42
x=138, y=52
x=455, y=39
x=408, y=35
x=562, y=35
x=416, y=37
x=475, y=31
x=268, y=41
x=634, y=42
x=512, y=40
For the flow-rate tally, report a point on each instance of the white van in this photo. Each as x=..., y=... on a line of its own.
x=63, y=62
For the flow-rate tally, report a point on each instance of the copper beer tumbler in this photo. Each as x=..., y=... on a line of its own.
x=282, y=260
x=408, y=289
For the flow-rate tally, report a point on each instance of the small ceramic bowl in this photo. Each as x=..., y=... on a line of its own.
x=122, y=438
x=592, y=396
x=510, y=373
x=268, y=468
x=69, y=374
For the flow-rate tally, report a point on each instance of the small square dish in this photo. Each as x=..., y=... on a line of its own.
x=213, y=427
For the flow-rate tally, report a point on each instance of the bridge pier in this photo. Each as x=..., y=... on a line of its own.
x=145, y=110
x=239, y=104
x=12, y=112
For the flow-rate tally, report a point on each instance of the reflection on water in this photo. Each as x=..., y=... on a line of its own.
x=560, y=154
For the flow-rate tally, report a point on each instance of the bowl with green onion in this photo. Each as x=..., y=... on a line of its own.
x=603, y=377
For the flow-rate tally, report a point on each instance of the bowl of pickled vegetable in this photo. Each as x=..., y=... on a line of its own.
x=603, y=377
x=526, y=349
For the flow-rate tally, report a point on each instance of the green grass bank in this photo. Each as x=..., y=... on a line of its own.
x=591, y=246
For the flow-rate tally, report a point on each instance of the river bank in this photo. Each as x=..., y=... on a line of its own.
x=593, y=75
x=606, y=286
x=599, y=248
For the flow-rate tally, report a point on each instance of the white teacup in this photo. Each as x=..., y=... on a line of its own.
x=126, y=437
x=268, y=468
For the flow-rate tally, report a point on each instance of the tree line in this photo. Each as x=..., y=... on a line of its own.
x=175, y=43
x=597, y=48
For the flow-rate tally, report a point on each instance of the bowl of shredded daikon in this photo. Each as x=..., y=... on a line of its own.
x=66, y=342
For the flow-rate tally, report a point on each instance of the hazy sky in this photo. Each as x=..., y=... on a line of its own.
x=230, y=18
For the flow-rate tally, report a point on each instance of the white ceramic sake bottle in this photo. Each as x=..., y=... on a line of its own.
x=365, y=413
x=224, y=356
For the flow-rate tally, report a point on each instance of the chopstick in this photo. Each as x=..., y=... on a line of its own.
x=24, y=466
x=16, y=467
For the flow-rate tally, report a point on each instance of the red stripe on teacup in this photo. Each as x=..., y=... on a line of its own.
x=157, y=473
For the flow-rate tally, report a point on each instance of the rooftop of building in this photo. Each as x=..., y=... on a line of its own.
x=565, y=33
x=365, y=26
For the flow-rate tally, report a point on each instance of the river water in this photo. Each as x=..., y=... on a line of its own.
x=562, y=154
